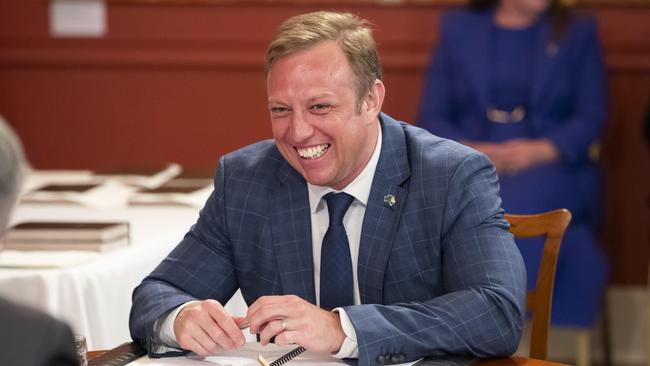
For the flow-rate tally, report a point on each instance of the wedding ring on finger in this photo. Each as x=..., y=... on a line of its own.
x=284, y=325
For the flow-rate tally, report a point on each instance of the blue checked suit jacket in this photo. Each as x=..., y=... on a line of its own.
x=438, y=271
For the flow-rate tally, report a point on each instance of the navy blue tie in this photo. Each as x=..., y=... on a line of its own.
x=336, y=288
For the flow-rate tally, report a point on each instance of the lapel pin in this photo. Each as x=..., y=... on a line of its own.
x=390, y=200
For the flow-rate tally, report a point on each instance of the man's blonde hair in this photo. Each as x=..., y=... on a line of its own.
x=350, y=32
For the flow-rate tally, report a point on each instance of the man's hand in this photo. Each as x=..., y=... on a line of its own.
x=306, y=324
x=206, y=329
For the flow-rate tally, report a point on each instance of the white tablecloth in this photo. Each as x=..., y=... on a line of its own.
x=94, y=297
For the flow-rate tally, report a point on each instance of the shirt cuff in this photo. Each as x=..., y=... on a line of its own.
x=164, y=330
x=349, y=348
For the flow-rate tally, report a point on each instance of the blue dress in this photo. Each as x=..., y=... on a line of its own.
x=467, y=78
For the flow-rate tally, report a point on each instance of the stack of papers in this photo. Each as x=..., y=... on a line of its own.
x=36, y=179
x=110, y=194
x=98, y=191
x=58, y=236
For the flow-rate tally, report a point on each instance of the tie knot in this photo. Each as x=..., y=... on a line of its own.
x=337, y=205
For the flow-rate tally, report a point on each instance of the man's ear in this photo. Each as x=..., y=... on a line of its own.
x=375, y=98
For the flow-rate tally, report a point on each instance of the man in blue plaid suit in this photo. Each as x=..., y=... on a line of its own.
x=435, y=271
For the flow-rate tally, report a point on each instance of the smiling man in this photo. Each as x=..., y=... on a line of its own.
x=350, y=233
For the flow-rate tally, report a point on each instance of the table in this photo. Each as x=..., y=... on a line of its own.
x=516, y=361
x=94, y=297
x=512, y=361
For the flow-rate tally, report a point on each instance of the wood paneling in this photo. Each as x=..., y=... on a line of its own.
x=626, y=163
x=183, y=81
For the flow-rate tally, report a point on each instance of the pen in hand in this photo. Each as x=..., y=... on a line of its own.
x=246, y=325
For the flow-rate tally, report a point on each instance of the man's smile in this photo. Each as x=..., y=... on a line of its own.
x=312, y=152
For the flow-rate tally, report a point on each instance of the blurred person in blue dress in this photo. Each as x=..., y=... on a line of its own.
x=523, y=82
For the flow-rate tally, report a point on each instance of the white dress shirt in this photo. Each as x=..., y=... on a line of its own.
x=359, y=188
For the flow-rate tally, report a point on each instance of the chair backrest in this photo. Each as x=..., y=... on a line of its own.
x=552, y=225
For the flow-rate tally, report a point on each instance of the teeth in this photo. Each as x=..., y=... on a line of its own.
x=313, y=152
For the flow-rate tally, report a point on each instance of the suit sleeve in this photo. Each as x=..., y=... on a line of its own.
x=58, y=346
x=481, y=311
x=436, y=107
x=200, y=267
x=584, y=126
x=31, y=337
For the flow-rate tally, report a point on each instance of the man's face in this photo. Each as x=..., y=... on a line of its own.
x=314, y=117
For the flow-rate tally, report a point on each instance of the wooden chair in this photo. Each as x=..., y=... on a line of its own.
x=552, y=225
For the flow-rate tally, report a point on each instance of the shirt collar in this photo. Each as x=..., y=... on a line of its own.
x=359, y=188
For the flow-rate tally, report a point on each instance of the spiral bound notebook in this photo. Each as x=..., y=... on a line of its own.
x=282, y=359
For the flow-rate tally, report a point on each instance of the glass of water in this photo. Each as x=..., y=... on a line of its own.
x=82, y=349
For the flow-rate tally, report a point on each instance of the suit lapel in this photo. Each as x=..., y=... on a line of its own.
x=381, y=217
x=291, y=230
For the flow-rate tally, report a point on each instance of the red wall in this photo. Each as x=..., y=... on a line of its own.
x=184, y=83
x=169, y=82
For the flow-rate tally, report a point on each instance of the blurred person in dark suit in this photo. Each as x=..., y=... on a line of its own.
x=27, y=337
x=523, y=82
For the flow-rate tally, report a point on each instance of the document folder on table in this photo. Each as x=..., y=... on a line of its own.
x=94, y=236
x=80, y=188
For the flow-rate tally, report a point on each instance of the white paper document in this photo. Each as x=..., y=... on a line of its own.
x=36, y=179
x=77, y=18
x=247, y=356
x=110, y=194
x=149, y=181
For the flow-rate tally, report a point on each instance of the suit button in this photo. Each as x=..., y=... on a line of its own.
x=398, y=358
x=381, y=359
